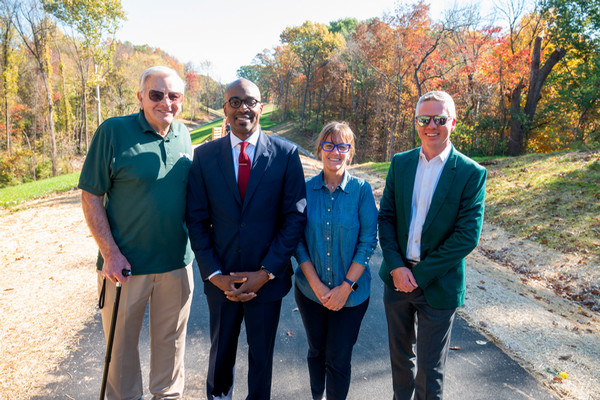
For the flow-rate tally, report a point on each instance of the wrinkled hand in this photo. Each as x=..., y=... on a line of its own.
x=113, y=267
x=404, y=280
x=336, y=298
x=227, y=283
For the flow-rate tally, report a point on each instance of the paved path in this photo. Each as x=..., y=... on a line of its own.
x=474, y=372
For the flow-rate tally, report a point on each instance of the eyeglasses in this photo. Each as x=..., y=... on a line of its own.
x=439, y=120
x=236, y=102
x=157, y=96
x=342, y=147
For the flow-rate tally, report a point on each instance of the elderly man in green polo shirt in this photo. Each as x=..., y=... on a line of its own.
x=133, y=184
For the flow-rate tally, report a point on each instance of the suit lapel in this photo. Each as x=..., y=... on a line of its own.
x=409, y=175
x=442, y=189
x=226, y=163
x=262, y=160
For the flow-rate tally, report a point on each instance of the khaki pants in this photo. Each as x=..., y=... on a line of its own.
x=170, y=296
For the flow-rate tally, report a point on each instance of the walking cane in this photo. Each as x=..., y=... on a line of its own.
x=111, y=334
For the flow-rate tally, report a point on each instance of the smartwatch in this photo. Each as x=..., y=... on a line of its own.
x=353, y=285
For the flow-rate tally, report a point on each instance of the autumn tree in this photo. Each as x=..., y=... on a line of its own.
x=93, y=21
x=9, y=64
x=313, y=43
x=35, y=28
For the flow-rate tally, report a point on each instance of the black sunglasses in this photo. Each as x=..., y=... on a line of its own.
x=439, y=120
x=236, y=102
x=157, y=96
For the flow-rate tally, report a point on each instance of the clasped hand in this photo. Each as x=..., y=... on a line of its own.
x=404, y=280
x=240, y=286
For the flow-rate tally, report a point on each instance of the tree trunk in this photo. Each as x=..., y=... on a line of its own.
x=517, y=128
x=53, y=156
x=521, y=121
x=7, y=122
x=98, y=101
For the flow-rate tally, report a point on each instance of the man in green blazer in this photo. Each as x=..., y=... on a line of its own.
x=430, y=219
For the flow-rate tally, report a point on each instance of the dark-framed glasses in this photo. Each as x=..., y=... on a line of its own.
x=342, y=147
x=439, y=120
x=157, y=96
x=236, y=102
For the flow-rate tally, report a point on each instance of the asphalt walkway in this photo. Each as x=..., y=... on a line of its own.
x=477, y=370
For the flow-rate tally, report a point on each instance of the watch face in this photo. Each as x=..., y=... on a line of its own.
x=355, y=286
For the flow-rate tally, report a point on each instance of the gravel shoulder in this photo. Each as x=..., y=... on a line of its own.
x=48, y=294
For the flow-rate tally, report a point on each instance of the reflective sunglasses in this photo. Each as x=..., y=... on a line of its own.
x=439, y=120
x=236, y=102
x=342, y=147
x=157, y=96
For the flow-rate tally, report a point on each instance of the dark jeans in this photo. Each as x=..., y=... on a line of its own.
x=412, y=321
x=331, y=336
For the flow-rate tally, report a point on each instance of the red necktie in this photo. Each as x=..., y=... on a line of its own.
x=243, y=170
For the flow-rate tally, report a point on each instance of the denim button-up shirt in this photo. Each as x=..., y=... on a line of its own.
x=341, y=229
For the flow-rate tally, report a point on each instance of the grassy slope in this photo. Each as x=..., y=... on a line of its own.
x=14, y=195
x=550, y=198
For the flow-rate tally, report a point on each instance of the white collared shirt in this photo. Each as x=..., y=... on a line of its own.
x=426, y=180
x=235, y=149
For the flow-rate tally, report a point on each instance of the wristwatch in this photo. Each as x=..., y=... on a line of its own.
x=269, y=274
x=353, y=285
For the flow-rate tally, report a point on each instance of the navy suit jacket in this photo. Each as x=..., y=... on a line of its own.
x=265, y=230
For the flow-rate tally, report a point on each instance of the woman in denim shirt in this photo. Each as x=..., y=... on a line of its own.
x=332, y=283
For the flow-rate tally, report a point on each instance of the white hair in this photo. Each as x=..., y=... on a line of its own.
x=162, y=71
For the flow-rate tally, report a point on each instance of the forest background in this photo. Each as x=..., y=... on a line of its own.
x=526, y=82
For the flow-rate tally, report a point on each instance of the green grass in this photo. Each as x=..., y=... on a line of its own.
x=204, y=133
x=14, y=195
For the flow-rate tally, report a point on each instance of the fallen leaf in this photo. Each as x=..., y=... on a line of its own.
x=565, y=357
x=455, y=348
x=291, y=334
x=481, y=342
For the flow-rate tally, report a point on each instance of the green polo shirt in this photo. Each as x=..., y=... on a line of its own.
x=143, y=178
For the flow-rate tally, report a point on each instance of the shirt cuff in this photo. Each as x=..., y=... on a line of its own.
x=214, y=273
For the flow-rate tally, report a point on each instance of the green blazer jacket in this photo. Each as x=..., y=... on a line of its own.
x=450, y=232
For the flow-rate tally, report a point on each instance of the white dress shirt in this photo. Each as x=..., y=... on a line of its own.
x=235, y=149
x=426, y=180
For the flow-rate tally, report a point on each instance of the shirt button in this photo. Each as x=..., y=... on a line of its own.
x=327, y=238
x=329, y=210
x=327, y=222
x=327, y=253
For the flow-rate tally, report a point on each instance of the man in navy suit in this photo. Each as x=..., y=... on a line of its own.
x=245, y=214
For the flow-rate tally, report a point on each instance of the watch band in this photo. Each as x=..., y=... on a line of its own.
x=271, y=275
x=353, y=285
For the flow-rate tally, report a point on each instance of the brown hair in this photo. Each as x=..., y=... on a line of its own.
x=333, y=129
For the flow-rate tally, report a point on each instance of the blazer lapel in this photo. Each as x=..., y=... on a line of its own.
x=409, y=175
x=226, y=163
x=442, y=189
x=262, y=160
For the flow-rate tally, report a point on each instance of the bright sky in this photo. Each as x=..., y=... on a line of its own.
x=229, y=34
